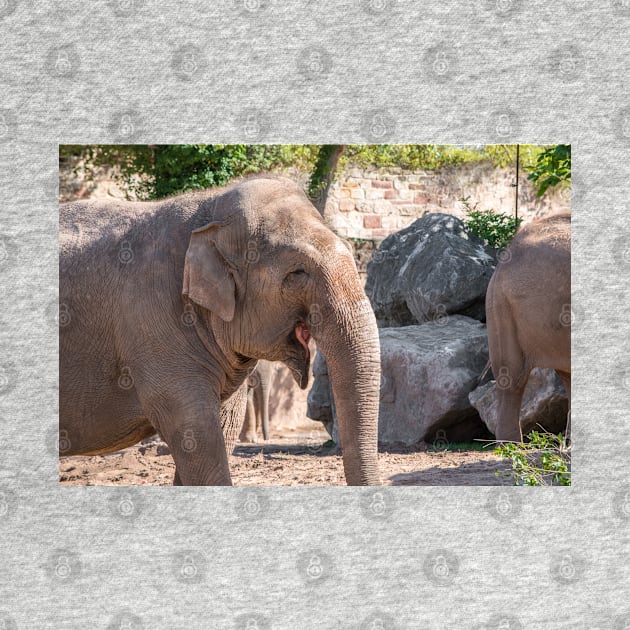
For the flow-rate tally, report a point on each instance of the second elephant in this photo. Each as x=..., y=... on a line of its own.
x=257, y=412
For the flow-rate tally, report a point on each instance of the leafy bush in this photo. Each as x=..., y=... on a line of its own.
x=553, y=167
x=495, y=228
x=544, y=460
x=157, y=171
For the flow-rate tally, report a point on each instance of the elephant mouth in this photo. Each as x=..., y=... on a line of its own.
x=299, y=338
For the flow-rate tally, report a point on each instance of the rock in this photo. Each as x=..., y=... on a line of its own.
x=544, y=404
x=320, y=403
x=428, y=371
x=432, y=268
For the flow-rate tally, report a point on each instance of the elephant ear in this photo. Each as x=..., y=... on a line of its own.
x=207, y=278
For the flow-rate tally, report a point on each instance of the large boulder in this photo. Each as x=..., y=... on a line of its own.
x=427, y=372
x=432, y=268
x=544, y=406
x=320, y=403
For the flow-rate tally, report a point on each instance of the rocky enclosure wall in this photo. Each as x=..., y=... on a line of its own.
x=374, y=203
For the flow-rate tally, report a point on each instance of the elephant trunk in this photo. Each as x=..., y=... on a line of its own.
x=348, y=338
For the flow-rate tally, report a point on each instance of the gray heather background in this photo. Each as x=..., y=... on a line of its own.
x=271, y=71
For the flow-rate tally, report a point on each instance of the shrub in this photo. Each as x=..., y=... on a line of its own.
x=495, y=228
x=544, y=460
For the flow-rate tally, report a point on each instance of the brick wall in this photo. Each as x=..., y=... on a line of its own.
x=373, y=203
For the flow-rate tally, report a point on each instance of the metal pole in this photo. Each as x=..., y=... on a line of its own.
x=518, y=146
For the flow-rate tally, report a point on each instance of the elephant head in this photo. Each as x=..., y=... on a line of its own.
x=270, y=274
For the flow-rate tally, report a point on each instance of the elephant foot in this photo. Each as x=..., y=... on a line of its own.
x=248, y=437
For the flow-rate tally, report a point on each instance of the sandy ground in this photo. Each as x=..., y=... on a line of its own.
x=298, y=459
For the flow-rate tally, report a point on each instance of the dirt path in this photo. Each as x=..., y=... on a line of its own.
x=299, y=460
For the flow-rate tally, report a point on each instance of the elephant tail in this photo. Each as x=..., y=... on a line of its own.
x=483, y=374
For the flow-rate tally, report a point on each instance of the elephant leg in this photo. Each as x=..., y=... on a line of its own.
x=509, y=408
x=511, y=374
x=265, y=388
x=565, y=377
x=176, y=480
x=189, y=421
x=508, y=364
x=248, y=430
x=232, y=411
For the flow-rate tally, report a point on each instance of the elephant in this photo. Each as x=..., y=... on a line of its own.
x=166, y=307
x=528, y=311
x=257, y=413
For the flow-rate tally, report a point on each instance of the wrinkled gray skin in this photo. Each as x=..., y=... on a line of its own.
x=257, y=413
x=528, y=310
x=165, y=308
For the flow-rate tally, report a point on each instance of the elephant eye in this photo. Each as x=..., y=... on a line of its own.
x=296, y=275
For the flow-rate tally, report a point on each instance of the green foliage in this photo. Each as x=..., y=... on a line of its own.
x=431, y=157
x=157, y=171
x=553, y=167
x=544, y=460
x=495, y=228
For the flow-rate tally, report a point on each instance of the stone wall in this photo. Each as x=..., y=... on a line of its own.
x=373, y=203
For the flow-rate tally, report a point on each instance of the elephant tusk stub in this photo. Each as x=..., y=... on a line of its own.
x=303, y=335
